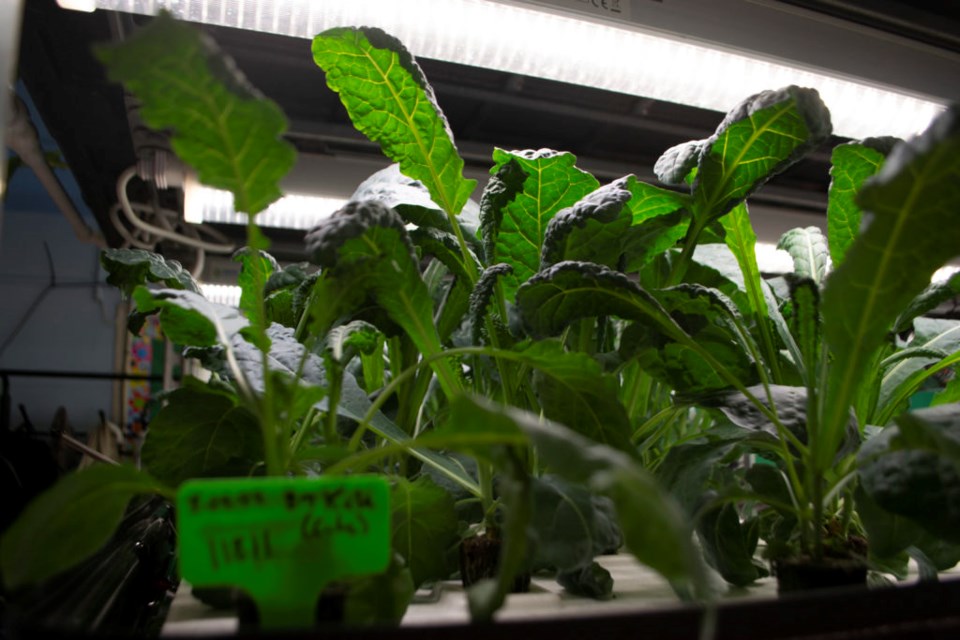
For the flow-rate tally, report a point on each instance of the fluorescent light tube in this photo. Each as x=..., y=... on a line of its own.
x=536, y=43
x=86, y=6
x=227, y=294
x=292, y=211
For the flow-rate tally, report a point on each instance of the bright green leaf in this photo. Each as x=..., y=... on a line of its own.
x=552, y=182
x=592, y=229
x=659, y=220
x=222, y=126
x=188, y=318
x=389, y=101
x=760, y=137
x=914, y=229
x=808, y=248
x=569, y=291
x=366, y=246
x=851, y=164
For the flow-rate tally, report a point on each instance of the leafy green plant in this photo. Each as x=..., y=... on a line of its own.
x=560, y=350
x=844, y=364
x=362, y=364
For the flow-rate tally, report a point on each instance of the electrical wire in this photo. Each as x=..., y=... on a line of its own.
x=160, y=232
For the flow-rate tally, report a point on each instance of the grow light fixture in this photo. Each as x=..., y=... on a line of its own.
x=617, y=56
x=292, y=211
x=227, y=294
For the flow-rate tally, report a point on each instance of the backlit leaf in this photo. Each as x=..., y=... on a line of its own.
x=851, y=164
x=389, y=101
x=913, y=230
x=552, y=182
x=222, y=127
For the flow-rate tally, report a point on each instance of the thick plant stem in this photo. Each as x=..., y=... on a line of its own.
x=485, y=476
x=679, y=269
x=333, y=400
x=275, y=456
x=468, y=262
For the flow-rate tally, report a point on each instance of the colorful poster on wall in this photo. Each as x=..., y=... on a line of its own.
x=145, y=355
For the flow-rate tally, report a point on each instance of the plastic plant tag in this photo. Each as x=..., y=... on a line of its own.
x=283, y=539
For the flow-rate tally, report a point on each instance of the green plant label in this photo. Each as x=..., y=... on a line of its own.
x=283, y=539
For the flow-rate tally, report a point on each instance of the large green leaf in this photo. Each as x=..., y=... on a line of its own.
x=410, y=199
x=569, y=291
x=626, y=219
x=365, y=246
x=571, y=525
x=69, y=522
x=201, y=433
x=659, y=219
x=574, y=391
x=852, y=164
x=188, y=318
x=129, y=268
x=389, y=101
x=654, y=528
x=713, y=324
x=913, y=469
x=222, y=127
x=760, y=137
x=808, y=248
x=592, y=229
x=424, y=521
x=914, y=230
x=727, y=545
x=517, y=228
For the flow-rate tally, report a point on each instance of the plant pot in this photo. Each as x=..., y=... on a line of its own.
x=480, y=559
x=805, y=574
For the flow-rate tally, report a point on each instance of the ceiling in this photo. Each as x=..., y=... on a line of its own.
x=611, y=134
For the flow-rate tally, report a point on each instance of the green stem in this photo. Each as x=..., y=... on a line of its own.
x=637, y=398
x=690, y=241
x=333, y=402
x=306, y=425
x=485, y=476
x=302, y=323
x=664, y=416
